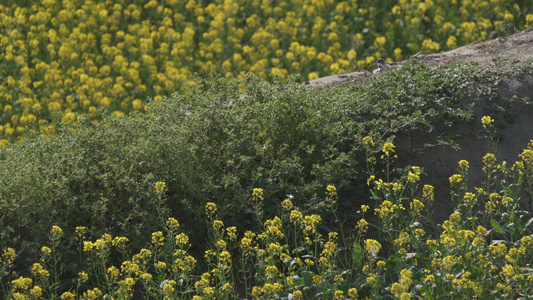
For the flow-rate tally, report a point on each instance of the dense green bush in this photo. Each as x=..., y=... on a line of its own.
x=215, y=144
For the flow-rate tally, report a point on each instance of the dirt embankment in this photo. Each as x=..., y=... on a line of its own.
x=501, y=56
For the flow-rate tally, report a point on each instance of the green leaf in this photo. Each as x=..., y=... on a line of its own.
x=528, y=223
x=426, y=292
x=357, y=255
x=496, y=226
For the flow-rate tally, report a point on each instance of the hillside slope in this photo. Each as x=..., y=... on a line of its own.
x=510, y=59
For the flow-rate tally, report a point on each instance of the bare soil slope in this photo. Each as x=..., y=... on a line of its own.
x=501, y=56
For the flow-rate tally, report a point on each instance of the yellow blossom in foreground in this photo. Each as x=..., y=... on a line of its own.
x=57, y=230
x=297, y=295
x=38, y=270
x=68, y=296
x=464, y=164
x=22, y=283
x=368, y=140
x=173, y=223
x=83, y=277
x=9, y=255
x=217, y=225
x=258, y=194
x=487, y=121
x=372, y=247
x=120, y=242
x=210, y=209
x=428, y=192
x=388, y=148
x=338, y=295
x=158, y=239
x=93, y=294
x=81, y=230
x=287, y=204
x=161, y=187
x=36, y=291
x=456, y=179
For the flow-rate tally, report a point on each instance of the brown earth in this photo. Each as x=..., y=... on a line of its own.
x=501, y=56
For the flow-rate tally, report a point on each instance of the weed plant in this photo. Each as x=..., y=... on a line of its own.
x=215, y=145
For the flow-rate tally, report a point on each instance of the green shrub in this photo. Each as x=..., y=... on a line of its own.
x=286, y=139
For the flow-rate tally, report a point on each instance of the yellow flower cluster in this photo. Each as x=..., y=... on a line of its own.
x=258, y=194
x=24, y=288
x=38, y=270
x=160, y=187
x=400, y=289
x=327, y=254
x=388, y=149
x=308, y=223
x=101, y=245
x=387, y=208
x=372, y=247
x=74, y=57
x=8, y=257
x=487, y=121
x=456, y=179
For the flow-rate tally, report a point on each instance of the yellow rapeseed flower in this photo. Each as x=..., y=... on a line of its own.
x=367, y=140
x=93, y=294
x=81, y=230
x=120, y=242
x=508, y=271
x=388, y=148
x=246, y=242
x=338, y=295
x=68, y=296
x=161, y=187
x=416, y=205
x=312, y=76
x=490, y=162
x=38, y=270
x=487, y=121
x=22, y=283
x=9, y=255
x=83, y=277
x=158, y=239
x=464, y=164
x=113, y=272
x=456, y=179
x=36, y=291
x=297, y=295
x=362, y=225
x=210, y=209
x=217, y=225
x=271, y=272
x=46, y=250
x=160, y=265
x=221, y=244
x=372, y=247
x=172, y=223
x=352, y=293
x=287, y=204
x=57, y=230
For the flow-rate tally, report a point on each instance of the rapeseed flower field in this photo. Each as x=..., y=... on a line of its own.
x=75, y=61
x=65, y=60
